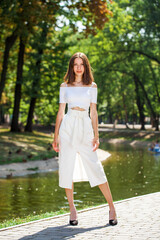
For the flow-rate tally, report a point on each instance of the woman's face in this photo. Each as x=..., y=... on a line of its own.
x=78, y=67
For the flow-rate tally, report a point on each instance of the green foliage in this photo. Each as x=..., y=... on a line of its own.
x=127, y=48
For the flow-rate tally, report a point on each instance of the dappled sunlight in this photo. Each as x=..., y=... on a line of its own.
x=131, y=135
x=149, y=136
x=145, y=135
x=25, y=146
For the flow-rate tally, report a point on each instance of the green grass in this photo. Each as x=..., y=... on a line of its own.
x=30, y=218
x=131, y=135
x=33, y=169
x=22, y=147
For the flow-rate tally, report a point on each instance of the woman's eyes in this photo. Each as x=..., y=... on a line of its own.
x=80, y=64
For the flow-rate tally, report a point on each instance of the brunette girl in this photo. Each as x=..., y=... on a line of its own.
x=76, y=135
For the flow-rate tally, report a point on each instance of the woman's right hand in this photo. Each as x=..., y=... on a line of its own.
x=55, y=145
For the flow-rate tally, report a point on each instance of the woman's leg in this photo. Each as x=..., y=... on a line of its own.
x=105, y=189
x=69, y=194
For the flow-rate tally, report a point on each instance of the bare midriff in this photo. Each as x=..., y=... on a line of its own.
x=78, y=108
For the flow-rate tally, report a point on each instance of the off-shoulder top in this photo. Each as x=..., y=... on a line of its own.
x=78, y=96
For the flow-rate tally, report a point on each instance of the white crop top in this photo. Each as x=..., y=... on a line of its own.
x=78, y=96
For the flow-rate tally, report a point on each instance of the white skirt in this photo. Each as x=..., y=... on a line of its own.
x=77, y=161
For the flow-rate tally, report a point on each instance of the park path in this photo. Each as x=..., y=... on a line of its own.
x=138, y=218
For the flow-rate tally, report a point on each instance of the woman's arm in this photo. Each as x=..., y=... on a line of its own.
x=94, y=119
x=59, y=118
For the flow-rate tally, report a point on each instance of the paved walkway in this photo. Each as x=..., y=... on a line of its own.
x=139, y=218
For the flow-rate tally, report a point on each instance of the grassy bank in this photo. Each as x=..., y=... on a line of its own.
x=130, y=135
x=22, y=147
x=30, y=218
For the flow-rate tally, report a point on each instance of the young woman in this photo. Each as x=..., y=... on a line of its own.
x=76, y=134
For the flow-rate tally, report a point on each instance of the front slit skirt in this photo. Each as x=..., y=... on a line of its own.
x=77, y=161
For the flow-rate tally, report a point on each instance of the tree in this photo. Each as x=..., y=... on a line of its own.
x=123, y=49
x=36, y=80
x=23, y=16
x=14, y=125
x=50, y=11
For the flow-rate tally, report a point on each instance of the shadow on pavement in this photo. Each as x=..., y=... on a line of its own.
x=60, y=232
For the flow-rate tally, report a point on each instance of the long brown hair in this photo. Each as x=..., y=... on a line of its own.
x=87, y=76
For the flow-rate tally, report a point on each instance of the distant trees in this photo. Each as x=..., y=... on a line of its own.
x=22, y=20
x=125, y=55
x=121, y=40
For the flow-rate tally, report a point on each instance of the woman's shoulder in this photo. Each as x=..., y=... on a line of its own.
x=64, y=84
x=94, y=85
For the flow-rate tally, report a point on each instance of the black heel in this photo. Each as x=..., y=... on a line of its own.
x=113, y=222
x=73, y=222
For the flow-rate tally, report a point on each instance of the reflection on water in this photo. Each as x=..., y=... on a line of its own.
x=130, y=172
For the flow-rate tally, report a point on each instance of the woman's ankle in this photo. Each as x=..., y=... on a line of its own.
x=112, y=208
x=72, y=208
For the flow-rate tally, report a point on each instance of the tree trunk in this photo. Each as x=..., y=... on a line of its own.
x=8, y=45
x=109, y=109
x=154, y=115
x=36, y=80
x=139, y=105
x=17, y=97
x=28, y=127
x=125, y=110
x=154, y=77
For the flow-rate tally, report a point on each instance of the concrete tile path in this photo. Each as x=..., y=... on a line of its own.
x=138, y=218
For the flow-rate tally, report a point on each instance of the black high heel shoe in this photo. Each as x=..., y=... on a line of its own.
x=73, y=222
x=113, y=222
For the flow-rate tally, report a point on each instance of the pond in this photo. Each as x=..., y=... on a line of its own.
x=130, y=172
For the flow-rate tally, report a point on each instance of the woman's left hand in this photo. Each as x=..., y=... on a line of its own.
x=95, y=143
x=55, y=145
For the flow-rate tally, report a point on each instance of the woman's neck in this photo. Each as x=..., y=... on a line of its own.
x=78, y=79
